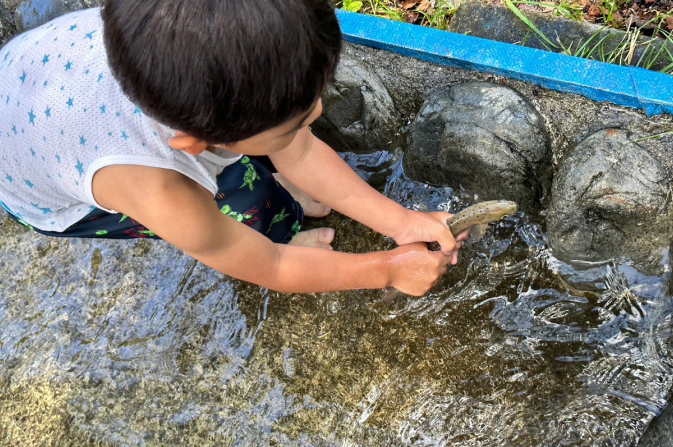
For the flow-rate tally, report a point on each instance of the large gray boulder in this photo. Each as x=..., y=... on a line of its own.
x=358, y=113
x=485, y=138
x=610, y=198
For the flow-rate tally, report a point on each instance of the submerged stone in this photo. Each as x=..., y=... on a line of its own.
x=358, y=113
x=610, y=198
x=484, y=138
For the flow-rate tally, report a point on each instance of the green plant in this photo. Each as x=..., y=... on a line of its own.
x=565, y=9
x=441, y=16
x=381, y=9
x=654, y=137
x=583, y=49
x=655, y=51
x=352, y=5
x=610, y=8
x=530, y=24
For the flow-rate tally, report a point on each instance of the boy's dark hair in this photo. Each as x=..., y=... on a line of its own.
x=222, y=70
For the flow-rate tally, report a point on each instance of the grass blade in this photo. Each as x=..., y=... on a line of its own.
x=530, y=24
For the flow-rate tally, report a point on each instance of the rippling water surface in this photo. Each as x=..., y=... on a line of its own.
x=133, y=343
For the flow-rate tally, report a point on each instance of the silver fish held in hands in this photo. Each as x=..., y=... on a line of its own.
x=475, y=218
x=478, y=216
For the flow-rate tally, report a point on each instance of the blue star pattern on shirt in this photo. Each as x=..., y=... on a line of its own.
x=43, y=157
x=44, y=210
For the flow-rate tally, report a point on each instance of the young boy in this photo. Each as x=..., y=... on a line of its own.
x=146, y=112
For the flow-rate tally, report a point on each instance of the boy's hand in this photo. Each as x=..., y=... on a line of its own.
x=430, y=227
x=414, y=269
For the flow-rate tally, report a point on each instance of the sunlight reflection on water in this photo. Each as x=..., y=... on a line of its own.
x=133, y=343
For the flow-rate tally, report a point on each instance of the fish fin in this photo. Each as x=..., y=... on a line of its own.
x=478, y=230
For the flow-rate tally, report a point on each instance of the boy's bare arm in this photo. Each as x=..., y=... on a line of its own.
x=316, y=169
x=185, y=214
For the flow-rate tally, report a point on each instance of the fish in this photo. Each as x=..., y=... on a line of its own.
x=475, y=218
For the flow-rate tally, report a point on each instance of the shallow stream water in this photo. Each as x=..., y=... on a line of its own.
x=134, y=343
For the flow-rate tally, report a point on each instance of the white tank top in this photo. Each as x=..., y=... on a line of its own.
x=63, y=117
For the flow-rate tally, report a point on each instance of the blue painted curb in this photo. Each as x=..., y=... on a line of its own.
x=627, y=86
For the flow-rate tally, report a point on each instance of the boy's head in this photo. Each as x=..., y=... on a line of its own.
x=222, y=70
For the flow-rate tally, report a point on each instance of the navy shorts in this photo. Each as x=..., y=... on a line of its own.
x=246, y=192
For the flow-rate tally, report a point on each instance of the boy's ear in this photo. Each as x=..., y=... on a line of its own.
x=187, y=143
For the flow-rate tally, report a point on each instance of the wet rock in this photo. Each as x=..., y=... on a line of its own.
x=484, y=138
x=7, y=29
x=358, y=113
x=610, y=198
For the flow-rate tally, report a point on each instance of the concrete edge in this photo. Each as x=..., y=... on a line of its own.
x=627, y=86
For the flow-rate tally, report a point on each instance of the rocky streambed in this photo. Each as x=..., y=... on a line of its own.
x=600, y=174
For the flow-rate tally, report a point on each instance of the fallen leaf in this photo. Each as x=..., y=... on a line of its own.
x=425, y=5
x=669, y=23
x=640, y=21
x=408, y=4
x=595, y=11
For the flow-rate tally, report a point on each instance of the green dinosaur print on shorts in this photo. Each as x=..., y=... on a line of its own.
x=226, y=209
x=295, y=228
x=101, y=232
x=250, y=174
x=277, y=218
